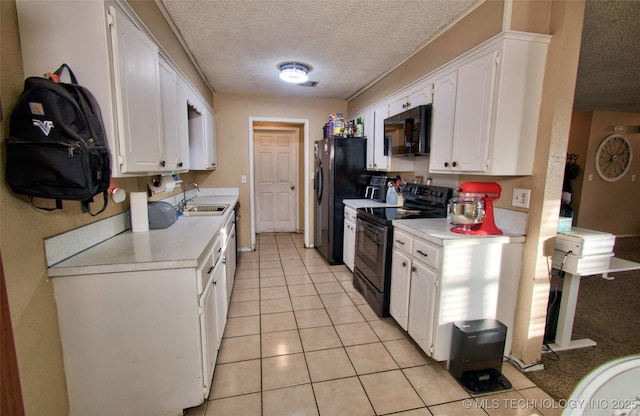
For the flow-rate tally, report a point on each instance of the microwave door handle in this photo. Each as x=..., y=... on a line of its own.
x=408, y=133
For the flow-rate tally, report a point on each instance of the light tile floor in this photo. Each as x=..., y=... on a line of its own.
x=300, y=340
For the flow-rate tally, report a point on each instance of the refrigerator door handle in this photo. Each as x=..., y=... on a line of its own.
x=319, y=182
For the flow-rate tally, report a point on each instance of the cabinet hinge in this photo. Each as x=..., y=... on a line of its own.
x=111, y=16
x=497, y=59
x=200, y=310
x=431, y=349
x=431, y=88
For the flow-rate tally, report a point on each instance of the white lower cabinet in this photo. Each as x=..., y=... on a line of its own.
x=422, y=305
x=143, y=342
x=230, y=259
x=433, y=286
x=349, y=237
x=210, y=306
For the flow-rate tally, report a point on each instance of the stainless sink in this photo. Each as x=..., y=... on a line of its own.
x=204, y=209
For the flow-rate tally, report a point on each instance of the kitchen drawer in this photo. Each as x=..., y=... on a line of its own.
x=402, y=241
x=350, y=214
x=426, y=253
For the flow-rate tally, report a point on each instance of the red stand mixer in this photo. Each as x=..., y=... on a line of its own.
x=472, y=210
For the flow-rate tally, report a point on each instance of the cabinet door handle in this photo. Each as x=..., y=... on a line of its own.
x=400, y=242
x=446, y=164
x=413, y=269
x=424, y=254
x=163, y=163
x=210, y=270
x=455, y=164
x=404, y=264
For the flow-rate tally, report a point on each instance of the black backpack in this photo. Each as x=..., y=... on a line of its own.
x=57, y=146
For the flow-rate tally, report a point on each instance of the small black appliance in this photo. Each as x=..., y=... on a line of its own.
x=409, y=132
x=475, y=360
x=376, y=190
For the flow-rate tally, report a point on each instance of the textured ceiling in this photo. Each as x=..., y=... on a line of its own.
x=239, y=44
x=609, y=67
x=349, y=44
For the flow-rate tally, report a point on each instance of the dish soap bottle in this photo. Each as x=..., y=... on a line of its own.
x=392, y=195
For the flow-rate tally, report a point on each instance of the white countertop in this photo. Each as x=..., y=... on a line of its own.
x=438, y=231
x=181, y=245
x=366, y=203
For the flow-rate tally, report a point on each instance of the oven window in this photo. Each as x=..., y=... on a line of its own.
x=371, y=242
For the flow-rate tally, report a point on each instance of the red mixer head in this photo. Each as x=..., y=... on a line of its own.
x=489, y=189
x=487, y=192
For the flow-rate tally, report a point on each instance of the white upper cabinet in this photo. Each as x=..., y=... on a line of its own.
x=443, y=118
x=112, y=55
x=486, y=107
x=461, y=127
x=175, y=131
x=417, y=95
x=378, y=148
x=135, y=58
x=202, y=135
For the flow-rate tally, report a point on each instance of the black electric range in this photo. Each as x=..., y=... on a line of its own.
x=420, y=201
x=374, y=236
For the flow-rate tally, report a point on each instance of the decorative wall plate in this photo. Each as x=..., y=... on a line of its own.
x=613, y=157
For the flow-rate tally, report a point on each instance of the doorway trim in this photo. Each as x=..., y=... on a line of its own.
x=306, y=192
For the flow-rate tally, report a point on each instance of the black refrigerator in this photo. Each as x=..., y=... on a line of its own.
x=340, y=173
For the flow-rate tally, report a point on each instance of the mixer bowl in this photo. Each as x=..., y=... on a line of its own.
x=466, y=212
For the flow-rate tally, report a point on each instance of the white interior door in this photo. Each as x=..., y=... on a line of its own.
x=276, y=180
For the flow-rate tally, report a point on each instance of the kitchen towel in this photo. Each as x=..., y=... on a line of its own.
x=139, y=212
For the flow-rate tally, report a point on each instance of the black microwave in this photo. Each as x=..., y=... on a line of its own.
x=409, y=133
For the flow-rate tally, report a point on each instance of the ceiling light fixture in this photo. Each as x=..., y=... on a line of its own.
x=294, y=73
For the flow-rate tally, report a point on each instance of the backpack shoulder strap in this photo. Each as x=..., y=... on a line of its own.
x=86, y=202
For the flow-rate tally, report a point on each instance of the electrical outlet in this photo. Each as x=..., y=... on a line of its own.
x=243, y=178
x=521, y=198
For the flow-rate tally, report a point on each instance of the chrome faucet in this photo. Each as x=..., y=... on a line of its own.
x=183, y=204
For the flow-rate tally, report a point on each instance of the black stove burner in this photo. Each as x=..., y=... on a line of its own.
x=420, y=201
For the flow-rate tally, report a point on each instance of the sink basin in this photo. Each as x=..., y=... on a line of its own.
x=204, y=209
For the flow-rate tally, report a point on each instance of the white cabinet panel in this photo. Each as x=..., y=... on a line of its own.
x=420, y=94
x=135, y=58
x=175, y=132
x=400, y=285
x=422, y=305
x=210, y=335
x=474, y=101
x=443, y=120
x=461, y=117
x=202, y=135
x=380, y=159
x=349, y=237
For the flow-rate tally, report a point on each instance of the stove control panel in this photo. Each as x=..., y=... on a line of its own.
x=428, y=194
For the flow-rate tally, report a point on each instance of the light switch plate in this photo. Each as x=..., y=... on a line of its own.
x=521, y=198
